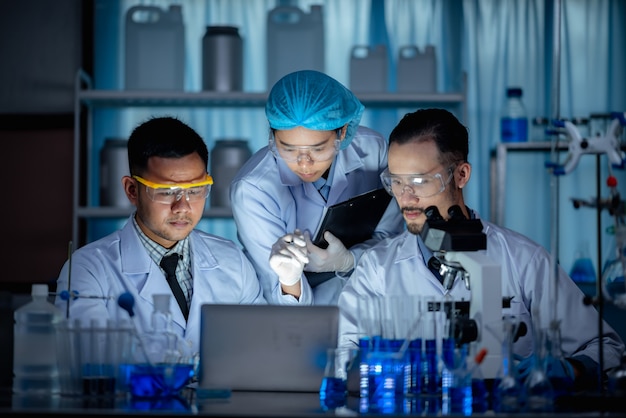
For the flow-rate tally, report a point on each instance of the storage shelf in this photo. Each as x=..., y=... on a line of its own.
x=87, y=99
x=128, y=98
x=499, y=170
x=119, y=212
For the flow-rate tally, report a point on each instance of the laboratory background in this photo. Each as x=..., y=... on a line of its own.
x=69, y=64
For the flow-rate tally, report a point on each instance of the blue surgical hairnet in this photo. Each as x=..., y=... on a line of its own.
x=315, y=101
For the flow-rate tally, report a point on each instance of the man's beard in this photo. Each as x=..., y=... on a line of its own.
x=414, y=227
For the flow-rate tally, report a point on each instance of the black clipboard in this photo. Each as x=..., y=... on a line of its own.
x=354, y=220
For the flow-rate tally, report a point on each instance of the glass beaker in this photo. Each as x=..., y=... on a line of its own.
x=334, y=387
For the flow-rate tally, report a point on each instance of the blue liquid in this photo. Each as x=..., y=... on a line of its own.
x=431, y=372
x=514, y=129
x=146, y=381
x=401, y=368
x=364, y=347
x=480, y=397
x=415, y=361
x=382, y=382
x=333, y=392
x=583, y=271
x=459, y=401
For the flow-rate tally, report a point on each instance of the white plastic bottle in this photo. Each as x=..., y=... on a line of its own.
x=514, y=121
x=35, y=368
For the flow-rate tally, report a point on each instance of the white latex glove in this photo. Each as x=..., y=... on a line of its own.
x=334, y=258
x=288, y=257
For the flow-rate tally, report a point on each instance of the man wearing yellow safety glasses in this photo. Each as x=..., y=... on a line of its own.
x=159, y=251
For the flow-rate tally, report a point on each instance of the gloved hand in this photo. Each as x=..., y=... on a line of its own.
x=288, y=257
x=555, y=368
x=334, y=258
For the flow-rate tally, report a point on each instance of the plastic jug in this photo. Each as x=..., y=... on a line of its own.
x=35, y=366
x=155, y=48
x=295, y=41
x=368, y=69
x=113, y=166
x=227, y=157
x=417, y=71
x=222, y=59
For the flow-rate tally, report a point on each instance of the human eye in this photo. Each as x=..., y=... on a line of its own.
x=288, y=150
x=395, y=181
x=165, y=192
x=419, y=181
x=196, y=191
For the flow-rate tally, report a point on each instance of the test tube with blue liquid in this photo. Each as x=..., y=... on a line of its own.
x=413, y=373
x=456, y=383
x=370, y=338
x=430, y=362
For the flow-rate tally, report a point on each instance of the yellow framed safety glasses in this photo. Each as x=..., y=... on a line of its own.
x=171, y=193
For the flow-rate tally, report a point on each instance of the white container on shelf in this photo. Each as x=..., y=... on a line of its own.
x=295, y=41
x=417, y=70
x=368, y=69
x=155, y=48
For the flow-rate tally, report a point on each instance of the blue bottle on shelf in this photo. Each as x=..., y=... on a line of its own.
x=514, y=121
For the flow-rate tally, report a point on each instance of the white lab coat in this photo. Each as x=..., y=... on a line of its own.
x=396, y=267
x=269, y=201
x=120, y=263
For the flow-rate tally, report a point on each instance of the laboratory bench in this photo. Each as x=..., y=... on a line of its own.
x=260, y=404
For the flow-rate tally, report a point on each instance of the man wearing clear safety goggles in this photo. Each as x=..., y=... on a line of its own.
x=417, y=185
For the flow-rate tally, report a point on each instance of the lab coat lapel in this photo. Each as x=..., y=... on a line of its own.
x=203, y=265
x=143, y=273
x=346, y=162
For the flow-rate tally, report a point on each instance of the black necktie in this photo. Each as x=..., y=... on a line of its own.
x=168, y=263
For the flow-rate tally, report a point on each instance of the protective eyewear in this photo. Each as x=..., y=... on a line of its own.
x=171, y=193
x=418, y=185
x=313, y=153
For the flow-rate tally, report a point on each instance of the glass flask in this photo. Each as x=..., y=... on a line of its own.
x=538, y=391
x=614, y=271
x=507, y=388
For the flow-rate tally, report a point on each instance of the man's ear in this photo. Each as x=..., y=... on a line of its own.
x=462, y=174
x=130, y=188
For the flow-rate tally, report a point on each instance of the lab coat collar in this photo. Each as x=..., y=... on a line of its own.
x=148, y=278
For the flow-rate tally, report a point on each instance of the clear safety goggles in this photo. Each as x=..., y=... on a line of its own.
x=312, y=153
x=171, y=193
x=418, y=185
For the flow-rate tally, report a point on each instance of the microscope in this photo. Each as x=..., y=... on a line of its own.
x=459, y=245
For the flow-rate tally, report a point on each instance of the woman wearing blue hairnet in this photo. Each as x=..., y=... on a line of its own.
x=317, y=156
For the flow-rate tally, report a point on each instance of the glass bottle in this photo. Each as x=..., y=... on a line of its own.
x=514, y=121
x=160, y=342
x=35, y=365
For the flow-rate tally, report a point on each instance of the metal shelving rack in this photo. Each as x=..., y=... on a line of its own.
x=86, y=99
x=498, y=171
